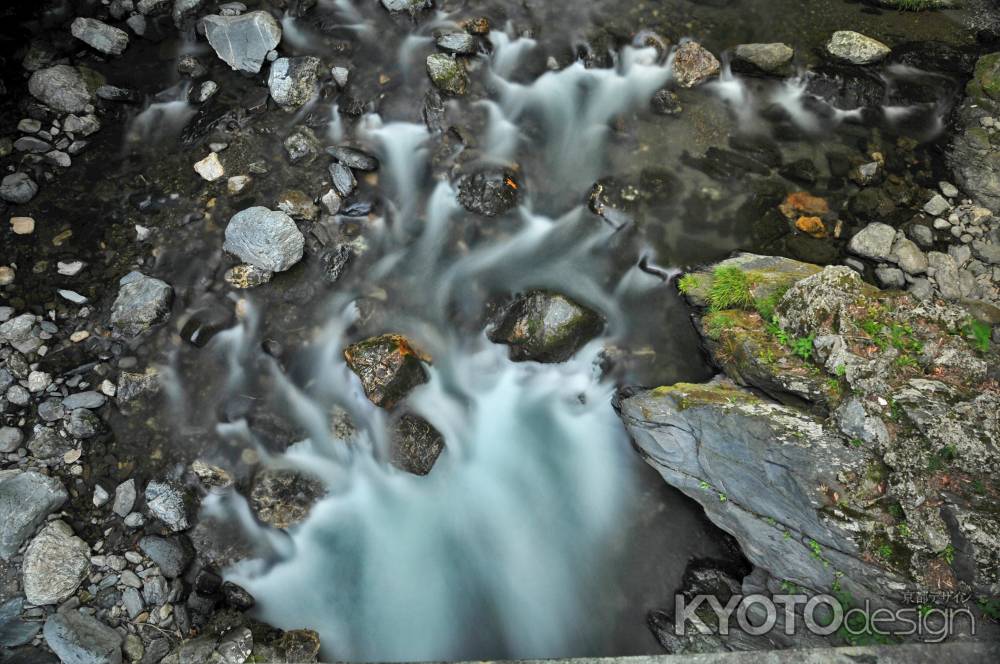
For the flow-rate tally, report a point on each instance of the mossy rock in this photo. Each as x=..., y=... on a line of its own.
x=700, y=395
x=766, y=277
x=987, y=75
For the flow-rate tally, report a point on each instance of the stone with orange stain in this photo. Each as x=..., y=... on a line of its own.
x=802, y=203
x=811, y=226
x=388, y=366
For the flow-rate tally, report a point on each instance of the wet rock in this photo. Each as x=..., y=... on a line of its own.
x=184, y=9
x=47, y=444
x=867, y=174
x=292, y=81
x=937, y=206
x=10, y=439
x=340, y=76
x=137, y=23
x=388, y=366
x=87, y=399
x=856, y=48
x=18, y=188
x=152, y=7
x=26, y=499
x=773, y=58
x=283, y=497
x=267, y=239
x=545, y=327
x=297, y=205
x=84, y=125
x=666, y=102
x=335, y=261
x=247, y=276
x=874, y=241
x=693, y=65
x=60, y=87
x=142, y=302
x=331, y=201
x=447, y=74
x=131, y=385
x=168, y=502
x=82, y=639
x=13, y=630
x=31, y=145
x=353, y=158
x=406, y=5
x=55, y=564
x=243, y=41
x=210, y=168
x=237, y=597
x=416, y=444
x=171, y=554
x=301, y=145
x=845, y=88
x=812, y=226
x=115, y=93
x=83, y=424
x=343, y=179
x=100, y=36
x=489, y=192
x=191, y=66
x=458, y=42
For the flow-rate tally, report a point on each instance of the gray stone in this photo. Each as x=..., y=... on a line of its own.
x=937, y=206
x=353, y=158
x=340, y=76
x=21, y=333
x=343, y=179
x=31, y=145
x=89, y=399
x=133, y=602
x=301, y=145
x=60, y=87
x=18, y=188
x=125, y=496
x=458, y=42
x=10, y=439
x=148, y=7
x=137, y=23
x=406, y=5
x=264, y=238
x=890, y=277
x=81, y=639
x=292, y=81
x=775, y=58
x=948, y=189
x=142, y=301
x=283, y=497
x=873, y=241
x=856, y=48
x=99, y=35
x=545, y=327
x=13, y=630
x=945, y=273
x=83, y=125
x=55, y=564
x=155, y=590
x=46, y=443
x=447, y=74
x=922, y=235
x=171, y=554
x=243, y=41
x=168, y=503
x=18, y=396
x=184, y=9
x=83, y=424
x=26, y=498
x=987, y=252
x=908, y=257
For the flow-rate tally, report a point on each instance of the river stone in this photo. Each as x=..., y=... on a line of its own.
x=13, y=630
x=406, y=5
x=343, y=179
x=416, y=444
x=18, y=188
x=55, y=564
x=168, y=502
x=488, y=192
x=60, y=87
x=353, y=158
x=458, y=42
x=856, y=48
x=388, y=367
x=171, y=554
x=292, y=81
x=141, y=302
x=946, y=275
x=447, y=74
x=283, y=497
x=545, y=327
x=773, y=58
x=874, y=241
x=243, y=41
x=183, y=9
x=100, y=35
x=89, y=399
x=10, y=439
x=125, y=495
x=264, y=238
x=26, y=498
x=693, y=65
x=907, y=255
x=46, y=443
x=81, y=639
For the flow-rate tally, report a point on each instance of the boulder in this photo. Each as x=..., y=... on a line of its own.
x=81, y=639
x=60, y=87
x=55, y=564
x=856, y=48
x=168, y=502
x=457, y=42
x=447, y=74
x=693, y=65
x=283, y=497
x=142, y=302
x=99, y=35
x=18, y=188
x=874, y=241
x=264, y=238
x=171, y=554
x=388, y=366
x=545, y=327
x=243, y=41
x=775, y=59
x=26, y=499
x=292, y=81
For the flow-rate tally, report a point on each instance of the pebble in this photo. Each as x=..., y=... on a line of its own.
x=7, y=275
x=29, y=126
x=937, y=206
x=22, y=225
x=210, y=168
x=79, y=336
x=948, y=189
x=237, y=183
x=100, y=496
x=72, y=296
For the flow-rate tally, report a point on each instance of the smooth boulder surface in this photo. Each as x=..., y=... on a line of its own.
x=26, y=498
x=856, y=48
x=81, y=639
x=264, y=238
x=546, y=327
x=874, y=241
x=99, y=35
x=243, y=41
x=142, y=301
x=55, y=564
x=60, y=87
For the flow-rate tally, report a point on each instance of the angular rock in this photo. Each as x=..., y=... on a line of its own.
x=908, y=257
x=856, y=48
x=171, y=554
x=775, y=58
x=142, y=302
x=292, y=81
x=125, y=495
x=18, y=188
x=458, y=42
x=388, y=366
x=301, y=145
x=184, y=9
x=81, y=639
x=55, y=564
x=26, y=499
x=99, y=35
x=283, y=497
x=488, y=192
x=47, y=444
x=60, y=87
x=406, y=5
x=168, y=502
x=874, y=241
x=210, y=168
x=693, y=65
x=545, y=327
x=343, y=179
x=267, y=239
x=937, y=206
x=353, y=158
x=447, y=74
x=243, y=41
x=416, y=444
x=247, y=276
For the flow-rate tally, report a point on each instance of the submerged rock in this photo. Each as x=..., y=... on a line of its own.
x=388, y=366
x=26, y=499
x=81, y=639
x=292, y=81
x=265, y=238
x=142, y=302
x=99, y=35
x=856, y=48
x=693, y=65
x=489, y=192
x=283, y=497
x=55, y=564
x=353, y=158
x=243, y=41
x=447, y=74
x=60, y=87
x=546, y=327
